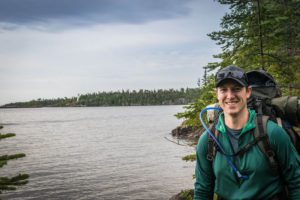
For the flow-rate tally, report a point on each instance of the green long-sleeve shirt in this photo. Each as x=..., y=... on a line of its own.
x=263, y=183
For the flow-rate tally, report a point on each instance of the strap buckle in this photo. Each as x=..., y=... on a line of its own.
x=270, y=153
x=209, y=157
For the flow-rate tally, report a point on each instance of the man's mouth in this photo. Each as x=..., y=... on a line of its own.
x=231, y=102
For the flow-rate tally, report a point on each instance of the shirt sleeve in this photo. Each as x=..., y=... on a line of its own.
x=288, y=158
x=204, y=173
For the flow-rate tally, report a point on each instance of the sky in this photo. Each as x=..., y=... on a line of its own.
x=64, y=48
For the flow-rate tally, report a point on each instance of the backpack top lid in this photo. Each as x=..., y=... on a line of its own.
x=263, y=84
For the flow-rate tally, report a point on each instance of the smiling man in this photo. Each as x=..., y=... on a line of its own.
x=246, y=176
x=232, y=94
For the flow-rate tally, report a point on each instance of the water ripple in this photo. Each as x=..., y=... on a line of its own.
x=96, y=153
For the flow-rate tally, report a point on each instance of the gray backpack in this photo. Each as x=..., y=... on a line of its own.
x=266, y=100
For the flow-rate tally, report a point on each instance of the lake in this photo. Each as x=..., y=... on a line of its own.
x=96, y=153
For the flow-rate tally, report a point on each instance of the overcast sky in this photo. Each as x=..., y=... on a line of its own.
x=62, y=48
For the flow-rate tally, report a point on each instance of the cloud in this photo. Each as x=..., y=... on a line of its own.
x=123, y=45
x=41, y=13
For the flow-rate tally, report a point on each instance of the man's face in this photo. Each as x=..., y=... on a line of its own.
x=232, y=97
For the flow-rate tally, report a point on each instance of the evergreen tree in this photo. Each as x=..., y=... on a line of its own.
x=11, y=183
x=261, y=34
x=207, y=96
x=205, y=75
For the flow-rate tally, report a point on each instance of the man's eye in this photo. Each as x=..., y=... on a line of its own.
x=237, y=89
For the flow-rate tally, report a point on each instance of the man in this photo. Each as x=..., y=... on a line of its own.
x=235, y=126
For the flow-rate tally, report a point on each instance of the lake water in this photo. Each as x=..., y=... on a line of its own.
x=95, y=153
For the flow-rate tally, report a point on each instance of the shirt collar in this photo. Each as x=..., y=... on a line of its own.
x=249, y=125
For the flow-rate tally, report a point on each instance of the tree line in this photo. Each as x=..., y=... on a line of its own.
x=118, y=98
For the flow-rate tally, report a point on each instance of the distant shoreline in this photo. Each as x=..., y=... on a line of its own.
x=2, y=107
x=118, y=98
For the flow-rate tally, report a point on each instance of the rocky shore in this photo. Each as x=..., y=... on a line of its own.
x=188, y=133
x=184, y=195
x=191, y=135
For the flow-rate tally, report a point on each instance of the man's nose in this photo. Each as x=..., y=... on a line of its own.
x=230, y=94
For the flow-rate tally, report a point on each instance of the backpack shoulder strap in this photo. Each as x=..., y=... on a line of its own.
x=264, y=145
x=211, y=147
x=211, y=153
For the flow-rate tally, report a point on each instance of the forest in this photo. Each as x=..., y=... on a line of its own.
x=117, y=98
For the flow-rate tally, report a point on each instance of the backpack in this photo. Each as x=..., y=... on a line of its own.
x=269, y=104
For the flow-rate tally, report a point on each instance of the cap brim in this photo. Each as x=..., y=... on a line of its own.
x=234, y=79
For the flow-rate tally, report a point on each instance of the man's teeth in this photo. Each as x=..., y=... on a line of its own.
x=230, y=103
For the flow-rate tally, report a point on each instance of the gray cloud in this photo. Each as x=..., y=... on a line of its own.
x=72, y=12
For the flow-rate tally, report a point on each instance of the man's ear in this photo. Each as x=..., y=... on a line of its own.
x=249, y=92
x=216, y=91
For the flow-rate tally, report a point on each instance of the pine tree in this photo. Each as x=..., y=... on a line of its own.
x=11, y=183
x=261, y=34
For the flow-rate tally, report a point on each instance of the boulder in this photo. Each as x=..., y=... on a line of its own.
x=186, y=132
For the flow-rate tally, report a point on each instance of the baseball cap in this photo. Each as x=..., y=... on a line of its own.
x=231, y=72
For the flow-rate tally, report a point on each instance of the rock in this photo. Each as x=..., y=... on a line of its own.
x=176, y=197
x=184, y=195
x=182, y=131
x=186, y=132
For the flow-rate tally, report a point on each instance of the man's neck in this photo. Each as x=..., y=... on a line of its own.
x=237, y=122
